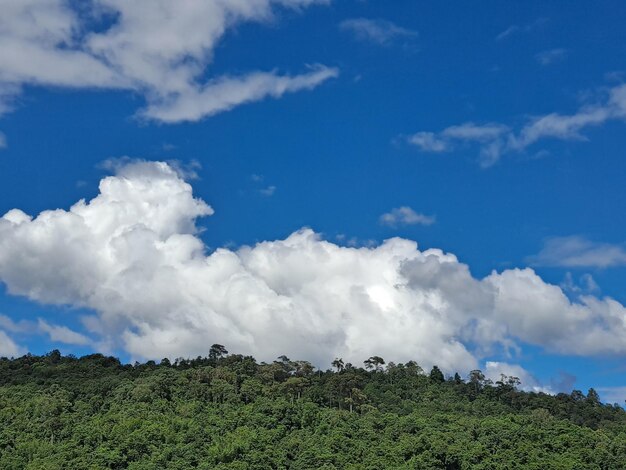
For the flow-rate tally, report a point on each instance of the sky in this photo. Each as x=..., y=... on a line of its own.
x=318, y=178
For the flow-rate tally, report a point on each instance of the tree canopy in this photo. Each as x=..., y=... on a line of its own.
x=232, y=412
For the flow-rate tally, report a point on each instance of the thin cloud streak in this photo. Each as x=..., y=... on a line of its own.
x=377, y=31
x=579, y=252
x=517, y=29
x=495, y=139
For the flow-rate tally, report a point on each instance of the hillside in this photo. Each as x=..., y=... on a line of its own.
x=230, y=412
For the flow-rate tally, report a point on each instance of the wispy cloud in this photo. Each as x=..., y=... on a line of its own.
x=473, y=132
x=405, y=216
x=356, y=242
x=496, y=139
x=269, y=191
x=586, y=284
x=378, y=31
x=3, y=141
x=613, y=394
x=550, y=56
x=266, y=191
x=429, y=142
x=257, y=178
x=50, y=44
x=56, y=333
x=523, y=29
x=579, y=252
x=62, y=334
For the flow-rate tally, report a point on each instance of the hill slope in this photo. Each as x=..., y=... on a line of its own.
x=230, y=412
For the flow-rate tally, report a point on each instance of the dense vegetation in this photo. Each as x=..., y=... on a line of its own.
x=229, y=412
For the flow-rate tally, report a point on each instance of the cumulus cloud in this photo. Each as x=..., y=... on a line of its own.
x=405, y=216
x=579, y=252
x=495, y=139
x=378, y=31
x=133, y=256
x=159, y=49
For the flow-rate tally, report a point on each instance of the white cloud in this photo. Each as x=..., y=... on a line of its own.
x=586, y=284
x=269, y=191
x=405, y=216
x=579, y=252
x=496, y=139
x=378, y=31
x=227, y=92
x=9, y=325
x=56, y=333
x=511, y=30
x=133, y=256
x=551, y=56
x=62, y=334
x=159, y=49
x=428, y=142
x=473, y=132
x=517, y=29
x=8, y=348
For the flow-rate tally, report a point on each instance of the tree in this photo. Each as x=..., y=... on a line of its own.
x=374, y=362
x=356, y=399
x=286, y=366
x=593, y=397
x=436, y=375
x=216, y=352
x=165, y=362
x=413, y=368
x=303, y=368
x=338, y=364
x=507, y=382
x=477, y=380
x=294, y=387
x=95, y=412
x=54, y=356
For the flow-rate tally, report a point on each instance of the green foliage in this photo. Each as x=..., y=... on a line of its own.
x=230, y=412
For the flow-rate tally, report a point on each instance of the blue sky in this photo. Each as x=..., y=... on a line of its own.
x=492, y=131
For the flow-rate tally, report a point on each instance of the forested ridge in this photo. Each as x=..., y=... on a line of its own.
x=231, y=412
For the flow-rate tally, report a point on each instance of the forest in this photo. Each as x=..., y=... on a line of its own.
x=228, y=411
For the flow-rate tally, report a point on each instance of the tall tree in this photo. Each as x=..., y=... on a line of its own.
x=338, y=364
x=216, y=352
x=374, y=362
x=436, y=375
